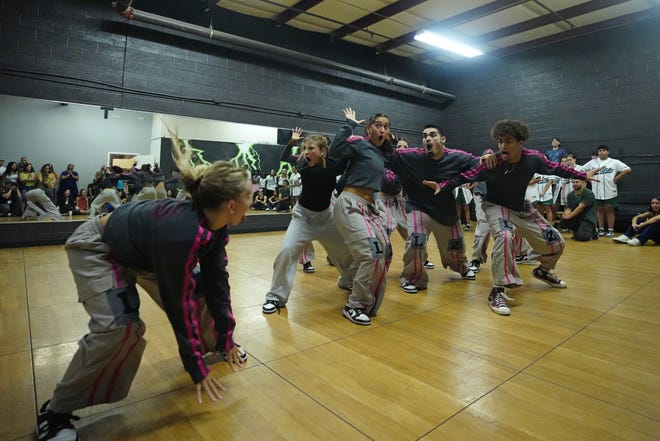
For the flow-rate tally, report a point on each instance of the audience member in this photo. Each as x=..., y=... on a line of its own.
x=464, y=197
x=22, y=163
x=545, y=200
x=69, y=180
x=580, y=213
x=10, y=199
x=556, y=152
x=67, y=203
x=27, y=179
x=11, y=173
x=260, y=201
x=47, y=180
x=82, y=203
x=644, y=225
x=605, y=191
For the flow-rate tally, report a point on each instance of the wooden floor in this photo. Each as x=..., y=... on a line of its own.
x=581, y=363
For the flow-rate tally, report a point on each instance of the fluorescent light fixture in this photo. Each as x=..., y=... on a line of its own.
x=447, y=44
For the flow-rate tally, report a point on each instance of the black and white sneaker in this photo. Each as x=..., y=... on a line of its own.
x=428, y=265
x=525, y=260
x=357, y=316
x=497, y=301
x=409, y=288
x=548, y=277
x=55, y=426
x=474, y=266
x=469, y=275
x=270, y=306
x=308, y=267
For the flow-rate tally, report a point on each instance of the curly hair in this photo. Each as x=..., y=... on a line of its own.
x=510, y=127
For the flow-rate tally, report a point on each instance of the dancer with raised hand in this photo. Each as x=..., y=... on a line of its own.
x=356, y=215
x=312, y=219
x=159, y=245
x=510, y=215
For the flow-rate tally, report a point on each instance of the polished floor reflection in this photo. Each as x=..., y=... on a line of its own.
x=581, y=363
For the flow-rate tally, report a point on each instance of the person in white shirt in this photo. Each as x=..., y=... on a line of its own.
x=605, y=190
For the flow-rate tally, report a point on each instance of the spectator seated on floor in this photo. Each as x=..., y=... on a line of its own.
x=630, y=204
x=67, y=203
x=284, y=203
x=646, y=226
x=82, y=203
x=579, y=215
x=260, y=201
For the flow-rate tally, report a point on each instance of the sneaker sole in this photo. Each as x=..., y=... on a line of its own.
x=409, y=291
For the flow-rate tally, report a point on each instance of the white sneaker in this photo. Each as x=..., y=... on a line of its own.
x=634, y=242
x=409, y=288
x=621, y=239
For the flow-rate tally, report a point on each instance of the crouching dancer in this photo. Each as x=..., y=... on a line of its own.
x=157, y=244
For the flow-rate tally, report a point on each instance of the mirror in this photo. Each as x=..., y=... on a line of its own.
x=93, y=137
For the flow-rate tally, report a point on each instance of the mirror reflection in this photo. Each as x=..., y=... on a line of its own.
x=73, y=153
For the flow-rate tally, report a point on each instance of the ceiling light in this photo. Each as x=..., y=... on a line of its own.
x=447, y=44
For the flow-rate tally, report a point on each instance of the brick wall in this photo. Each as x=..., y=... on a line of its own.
x=603, y=88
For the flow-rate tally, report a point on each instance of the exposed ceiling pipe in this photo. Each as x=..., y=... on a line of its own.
x=288, y=56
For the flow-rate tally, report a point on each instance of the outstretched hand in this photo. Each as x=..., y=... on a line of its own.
x=349, y=114
x=296, y=134
x=211, y=386
x=591, y=173
x=434, y=185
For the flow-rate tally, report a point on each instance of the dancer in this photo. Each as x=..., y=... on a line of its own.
x=311, y=220
x=428, y=212
x=38, y=204
x=356, y=215
x=510, y=216
x=157, y=244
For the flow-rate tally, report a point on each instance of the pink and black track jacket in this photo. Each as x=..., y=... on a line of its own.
x=169, y=238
